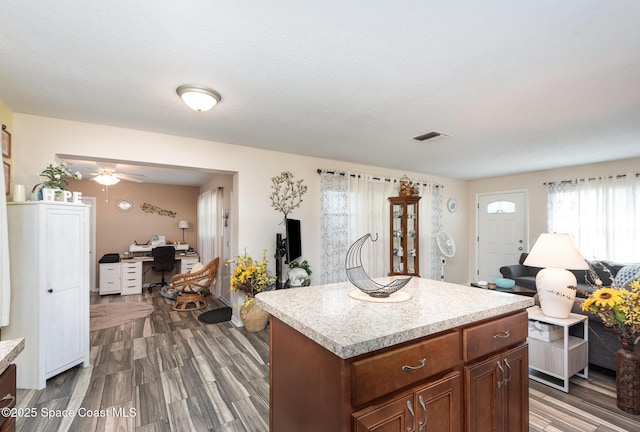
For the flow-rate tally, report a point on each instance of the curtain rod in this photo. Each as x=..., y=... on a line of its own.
x=617, y=177
x=342, y=173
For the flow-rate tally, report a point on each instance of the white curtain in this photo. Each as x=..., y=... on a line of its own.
x=5, y=279
x=210, y=229
x=601, y=214
x=356, y=204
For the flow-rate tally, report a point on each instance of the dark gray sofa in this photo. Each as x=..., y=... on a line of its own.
x=603, y=343
x=526, y=276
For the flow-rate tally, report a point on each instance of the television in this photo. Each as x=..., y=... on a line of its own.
x=293, y=242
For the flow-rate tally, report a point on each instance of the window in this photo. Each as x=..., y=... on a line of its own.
x=600, y=214
x=501, y=207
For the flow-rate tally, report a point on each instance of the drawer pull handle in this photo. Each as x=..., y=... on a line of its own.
x=9, y=401
x=407, y=368
x=501, y=380
x=508, y=377
x=424, y=410
x=501, y=335
x=413, y=418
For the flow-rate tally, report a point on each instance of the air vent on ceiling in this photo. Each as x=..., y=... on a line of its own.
x=429, y=135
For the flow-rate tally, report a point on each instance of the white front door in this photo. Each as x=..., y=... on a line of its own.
x=502, y=231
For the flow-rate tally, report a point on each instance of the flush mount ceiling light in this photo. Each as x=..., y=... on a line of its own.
x=197, y=97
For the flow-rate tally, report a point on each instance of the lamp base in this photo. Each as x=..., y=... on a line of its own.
x=556, y=299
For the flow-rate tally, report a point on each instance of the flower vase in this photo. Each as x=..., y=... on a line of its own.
x=628, y=378
x=254, y=317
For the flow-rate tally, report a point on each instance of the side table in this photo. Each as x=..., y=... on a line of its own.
x=553, y=363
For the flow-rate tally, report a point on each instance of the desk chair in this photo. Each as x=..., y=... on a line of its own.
x=164, y=258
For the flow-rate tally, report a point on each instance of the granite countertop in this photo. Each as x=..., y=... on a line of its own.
x=9, y=350
x=348, y=327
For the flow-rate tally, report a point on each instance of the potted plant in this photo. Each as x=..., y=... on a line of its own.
x=57, y=177
x=619, y=309
x=251, y=277
x=299, y=277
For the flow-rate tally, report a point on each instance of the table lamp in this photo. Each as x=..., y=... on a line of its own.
x=183, y=225
x=556, y=253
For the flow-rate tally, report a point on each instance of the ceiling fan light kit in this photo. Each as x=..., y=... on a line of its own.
x=197, y=97
x=107, y=179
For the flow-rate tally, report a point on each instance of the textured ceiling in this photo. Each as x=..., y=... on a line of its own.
x=518, y=85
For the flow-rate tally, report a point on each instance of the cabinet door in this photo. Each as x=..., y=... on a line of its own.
x=404, y=243
x=439, y=405
x=483, y=398
x=67, y=286
x=395, y=416
x=397, y=238
x=411, y=230
x=497, y=396
x=516, y=389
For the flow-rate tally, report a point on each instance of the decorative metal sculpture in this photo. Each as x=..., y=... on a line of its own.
x=359, y=277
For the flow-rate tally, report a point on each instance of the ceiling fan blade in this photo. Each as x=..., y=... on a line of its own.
x=136, y=178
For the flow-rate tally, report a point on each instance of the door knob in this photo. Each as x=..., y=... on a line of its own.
x=50, y=290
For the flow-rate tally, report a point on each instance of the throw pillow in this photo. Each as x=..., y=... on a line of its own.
x=627, y=274
x=197, y=267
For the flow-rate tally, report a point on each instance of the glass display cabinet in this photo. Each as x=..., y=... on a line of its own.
x=404, y=249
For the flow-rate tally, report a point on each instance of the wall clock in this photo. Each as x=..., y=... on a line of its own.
x=452, y=205
x=124, y=205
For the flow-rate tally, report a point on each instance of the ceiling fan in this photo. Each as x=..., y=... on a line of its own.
x=106, y=175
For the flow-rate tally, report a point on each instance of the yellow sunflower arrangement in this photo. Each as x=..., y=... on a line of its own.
x=619, y=310
x=250, y=276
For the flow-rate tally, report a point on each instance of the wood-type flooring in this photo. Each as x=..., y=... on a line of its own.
x=170, y=372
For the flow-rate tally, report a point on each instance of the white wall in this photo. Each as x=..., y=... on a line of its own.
x=533, y=183
x=37, y=140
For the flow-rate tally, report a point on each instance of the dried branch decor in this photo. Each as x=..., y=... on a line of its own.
x=287, y=193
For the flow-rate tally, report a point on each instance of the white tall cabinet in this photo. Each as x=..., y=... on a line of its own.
x=49, y=253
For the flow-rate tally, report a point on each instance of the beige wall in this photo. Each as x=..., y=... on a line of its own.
x=116, y=230
x=253, y=223
x=533, y=183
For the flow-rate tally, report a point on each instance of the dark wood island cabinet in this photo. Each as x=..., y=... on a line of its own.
x=345, y=365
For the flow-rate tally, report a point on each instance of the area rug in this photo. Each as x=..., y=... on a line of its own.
x=216, y=316
x=107, y=315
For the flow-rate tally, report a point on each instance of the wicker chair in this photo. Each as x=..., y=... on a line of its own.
x=194, y=286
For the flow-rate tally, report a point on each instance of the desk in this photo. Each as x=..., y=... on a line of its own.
x=148, y=248
x=126, y=277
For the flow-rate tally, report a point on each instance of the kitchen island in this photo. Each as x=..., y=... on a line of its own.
x=341, y=364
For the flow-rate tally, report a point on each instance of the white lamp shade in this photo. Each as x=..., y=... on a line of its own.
x=556, y=251
x=198, y=98
x=183, y=224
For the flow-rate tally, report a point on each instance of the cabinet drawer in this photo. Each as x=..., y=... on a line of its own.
x=132, y=268
x=491, y=336
x=109, y=277
x=186, y=264
x=109, y=269
x=387, y=372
